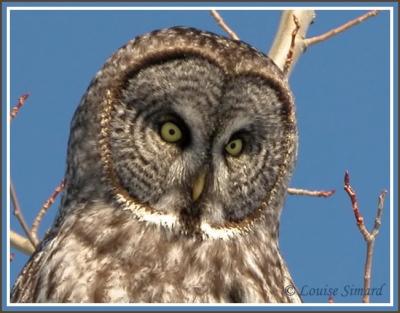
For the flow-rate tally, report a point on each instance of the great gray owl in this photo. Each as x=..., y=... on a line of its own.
x=178, y=162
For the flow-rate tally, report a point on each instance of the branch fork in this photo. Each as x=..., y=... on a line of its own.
x=369, y=236
x=29, y=243
x=290, y=40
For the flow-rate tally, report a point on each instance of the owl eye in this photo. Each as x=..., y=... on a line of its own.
x=170, y=132
x=234, y=147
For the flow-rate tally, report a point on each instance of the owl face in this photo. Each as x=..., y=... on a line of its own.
x=195, y=132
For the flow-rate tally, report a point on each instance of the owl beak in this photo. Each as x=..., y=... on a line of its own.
x=198, y=185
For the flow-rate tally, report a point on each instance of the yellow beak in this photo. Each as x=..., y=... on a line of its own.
x=198, y=186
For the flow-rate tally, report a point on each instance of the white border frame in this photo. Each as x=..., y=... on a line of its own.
x=223, y=8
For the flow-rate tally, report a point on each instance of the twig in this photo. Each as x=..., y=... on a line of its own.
x=354, y=204
x=289, y=56
x=19, y=216
x=18, y=106
x=44, y=208
x=317, y=39
x=21, y=243
x=312, y=193
x=220, y=21
x=369, y=237
x=379, y=212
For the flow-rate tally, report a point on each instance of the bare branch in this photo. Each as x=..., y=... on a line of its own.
x=354, y=203
x=340, y=29
x=284, y=41
x=289, y=57
x=369, y=237
x=220, y=21
x=18, y=106
x=19, y=216
x=283, y=38
x=44, y=208
x=290, y=42
x=312, y=193
x=370, y=246
x=379, y=212
x=21, y=243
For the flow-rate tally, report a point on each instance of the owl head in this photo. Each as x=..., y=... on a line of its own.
x=186, y=130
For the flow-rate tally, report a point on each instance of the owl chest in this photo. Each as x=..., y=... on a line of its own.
x=154, y=269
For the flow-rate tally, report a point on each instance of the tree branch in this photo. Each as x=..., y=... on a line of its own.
x=317, y=39
x=19, y=216
x=21, y=243
x=287, y=49
x=369, y=237
x=220, y=21
x=290, y=40
x=18, y=106
x=312, y=193
x=283, y=41
x=44, y=208
x=289, y=56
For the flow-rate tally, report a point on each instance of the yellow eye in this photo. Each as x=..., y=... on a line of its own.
x=170, y=132
x=234, y=147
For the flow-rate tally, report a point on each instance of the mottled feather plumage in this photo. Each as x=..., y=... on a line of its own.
x=128, y=229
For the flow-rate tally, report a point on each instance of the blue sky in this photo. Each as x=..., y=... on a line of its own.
x=341, y=88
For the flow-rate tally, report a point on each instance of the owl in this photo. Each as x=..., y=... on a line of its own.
x=179, y=158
